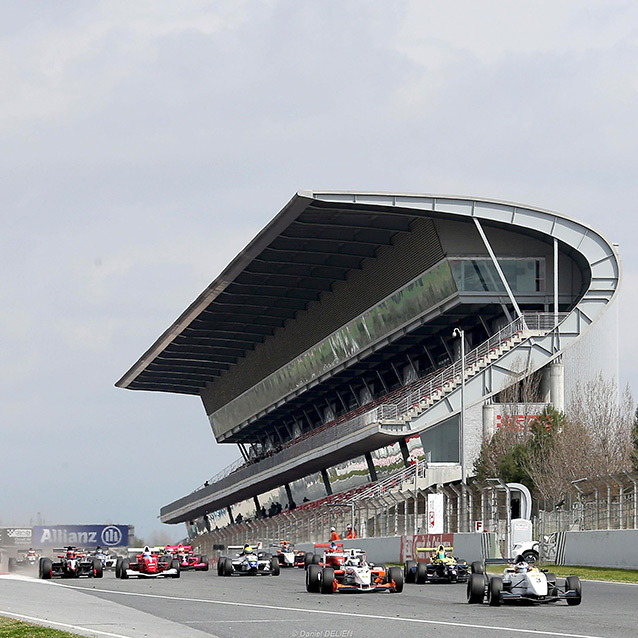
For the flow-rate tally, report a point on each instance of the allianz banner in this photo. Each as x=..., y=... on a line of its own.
x=16, y=536
x=80, y=535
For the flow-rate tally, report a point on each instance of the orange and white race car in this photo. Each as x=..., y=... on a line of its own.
x=349, y=571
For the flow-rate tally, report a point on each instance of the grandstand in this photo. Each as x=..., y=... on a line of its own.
x=360, y=332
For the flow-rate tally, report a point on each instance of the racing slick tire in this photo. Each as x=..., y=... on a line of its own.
x=530, y=556
x=228, y=567
x=98, y=568
x=13, y=564
x=220, y=565
x=477, y=567
x=124, y=565
x=327, y=579
x=175, y=565
x=206, y=566
x=476, y=589
x=421, y=575
x=316, y=559
x=396, y=574
x=573, y=583
x=274, y=566
x=118, y=566
x=308, y=559
x=494, y=591
x=46, y=568
x=409, y=570
x=313, y=579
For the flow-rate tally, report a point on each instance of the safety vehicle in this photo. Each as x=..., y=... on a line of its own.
x=520, y=582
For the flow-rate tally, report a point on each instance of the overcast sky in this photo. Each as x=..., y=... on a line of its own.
x=143, y=144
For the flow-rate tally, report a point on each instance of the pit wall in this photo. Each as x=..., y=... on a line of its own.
x=613, y=548
x=608, y=548
x=398, y=549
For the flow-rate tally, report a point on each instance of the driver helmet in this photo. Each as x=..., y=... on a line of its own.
x=70, y=552
x=333, y=545
x=147, y=551
x=248, y=549
x=440, y=552
x=522, y=566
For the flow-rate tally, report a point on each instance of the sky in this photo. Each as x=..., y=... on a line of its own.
x=143, y=144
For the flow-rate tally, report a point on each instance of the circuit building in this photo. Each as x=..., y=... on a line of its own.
x=358, y=331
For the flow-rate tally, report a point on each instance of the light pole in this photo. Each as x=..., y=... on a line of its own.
x=457, y=332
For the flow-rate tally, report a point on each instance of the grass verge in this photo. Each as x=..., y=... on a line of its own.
x=10, y=628
x=595, y=573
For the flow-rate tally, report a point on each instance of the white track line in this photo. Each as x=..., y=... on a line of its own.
x=47, y=622
x=518, y=630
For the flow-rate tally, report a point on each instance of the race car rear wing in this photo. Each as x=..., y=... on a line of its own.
x=434, y=549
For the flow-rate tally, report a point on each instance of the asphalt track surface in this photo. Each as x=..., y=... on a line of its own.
x=202, y=604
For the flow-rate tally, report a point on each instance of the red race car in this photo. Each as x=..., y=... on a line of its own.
x=148, y=565
x=187, y=559
x=331, y=552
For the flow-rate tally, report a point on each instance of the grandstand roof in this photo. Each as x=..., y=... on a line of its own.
x=312, y=243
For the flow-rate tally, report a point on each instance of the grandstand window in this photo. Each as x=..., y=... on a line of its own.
x=479, y=274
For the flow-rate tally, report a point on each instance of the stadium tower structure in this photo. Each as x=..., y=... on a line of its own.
x=329, y=350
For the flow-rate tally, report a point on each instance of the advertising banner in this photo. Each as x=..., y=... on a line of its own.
x=435, y=513
x=16, y=536
x=80, y=535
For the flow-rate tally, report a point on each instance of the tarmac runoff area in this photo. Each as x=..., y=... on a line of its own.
x=202, y=604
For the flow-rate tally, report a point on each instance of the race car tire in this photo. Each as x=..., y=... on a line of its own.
x=13, y=564
x=327, y=579
x=175, y=564
x=530, y=556
x=477, y=567
x=124, y=565
x=396, y=574
x=46, y=568
x=313, y=579
x=274, y=566
x=476, y=589
x=118, y=567
x=308, y=559
x=98, y=568
x=410, y=571
x=494, y=591
x=421, y=575
x=228, y=567
x=316, y=559
x=220, y=565
x=573, y=583
x=205, y=567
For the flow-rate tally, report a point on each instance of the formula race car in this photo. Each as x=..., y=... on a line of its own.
x=70, y=564
x=147, y=564
x=25, y=558
x=520, y=582
x=442, y=568
x=288, y=556
x=248, y=563
x=352, y=573
x=331, y=552
x=188, y=560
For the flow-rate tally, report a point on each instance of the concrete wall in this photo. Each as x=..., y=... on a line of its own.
x=610, y=548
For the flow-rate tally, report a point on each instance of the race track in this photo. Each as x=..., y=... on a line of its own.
x=204, y=604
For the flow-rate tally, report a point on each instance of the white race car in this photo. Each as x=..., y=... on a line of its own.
x=520, y=582
x=248, y=563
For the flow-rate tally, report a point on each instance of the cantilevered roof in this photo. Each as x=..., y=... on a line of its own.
x=301, y=253
x=314, y=241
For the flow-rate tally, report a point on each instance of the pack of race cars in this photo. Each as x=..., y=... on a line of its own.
x=329, y=569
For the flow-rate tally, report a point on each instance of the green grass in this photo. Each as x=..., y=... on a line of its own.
x=595, y=573
x=10, y=628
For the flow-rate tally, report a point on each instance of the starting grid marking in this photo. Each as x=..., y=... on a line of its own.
x=395, y=619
